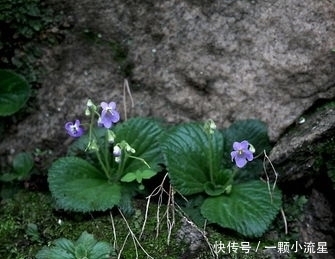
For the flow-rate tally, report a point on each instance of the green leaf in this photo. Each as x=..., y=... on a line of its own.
x=61, y=248
x=85, y=247
x=248, y=209
x=101, y=250
x=79, y=186
x=141, y=134
x=14, y=92
x=22, y=165
x=80, y=251
x=32, y=231
x=65, y=244
x=187, y=149
x=147, y=174
x=214, y=190
x=54, y=253
x=129, y=177
x=8, y=177
x=139, y=175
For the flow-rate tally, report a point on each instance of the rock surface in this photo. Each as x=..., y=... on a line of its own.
x=304, y=160
x=225, y=60
x=187, y=60
x=301, y=153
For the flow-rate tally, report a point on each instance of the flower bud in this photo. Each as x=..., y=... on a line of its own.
x=116, y=151
x=89, y=103
x=90, y=106
x=210, y=127
x=110, y=136
x=87, y=112
x=252, y=148
x=130, y=149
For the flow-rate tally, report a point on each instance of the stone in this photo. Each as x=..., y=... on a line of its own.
x=304, y=161
x=318, y=225
x=184, y=60
x=224, y=60
x=300, y=154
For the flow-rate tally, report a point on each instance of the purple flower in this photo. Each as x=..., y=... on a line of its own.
x=74, y=129
x=109, y=115
x=241, y=153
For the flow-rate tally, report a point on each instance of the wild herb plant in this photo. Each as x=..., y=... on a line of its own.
x=10, y=179
x=200, y=159
x=23, y=164
x=115, y=158
x=215, y=173
x=85, y=247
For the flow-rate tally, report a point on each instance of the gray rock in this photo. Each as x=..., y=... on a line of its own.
x=303, y=159
x=225, y=60
x=318, y=225
x=298, y=154
x=185, y=60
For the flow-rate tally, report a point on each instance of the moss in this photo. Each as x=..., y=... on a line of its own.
x=29, y=208
x=24, y=208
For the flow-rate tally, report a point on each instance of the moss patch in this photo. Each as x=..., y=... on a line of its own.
x=19, y=239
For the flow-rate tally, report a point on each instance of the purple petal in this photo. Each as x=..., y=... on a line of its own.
x=233, y=154
x=80, y=132
x=237, y=146
x=240, y=161
x=115, y=117
x=244, y=145
x=112, y=105
x=104, y=105
x=248, y=155
x=104, y=113
x=68, y=126
x=106, y=121
x=77, y=123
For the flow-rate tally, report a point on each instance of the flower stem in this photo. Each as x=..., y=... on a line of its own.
x=104, y=168
x=210, y=154
x=120, y=168
x=107, y=155
x=92, y=139
x=141, y=159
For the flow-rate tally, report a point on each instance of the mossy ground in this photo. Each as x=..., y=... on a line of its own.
x=29, y=222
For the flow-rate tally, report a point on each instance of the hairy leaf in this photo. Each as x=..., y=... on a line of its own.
x=79, y=186
x=141, y=134
x=190, y=157
x=85, y=247
x=249, y=208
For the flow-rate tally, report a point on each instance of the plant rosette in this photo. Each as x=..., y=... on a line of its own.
x=86, y=246
x=96, y=174
x=199, y=161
